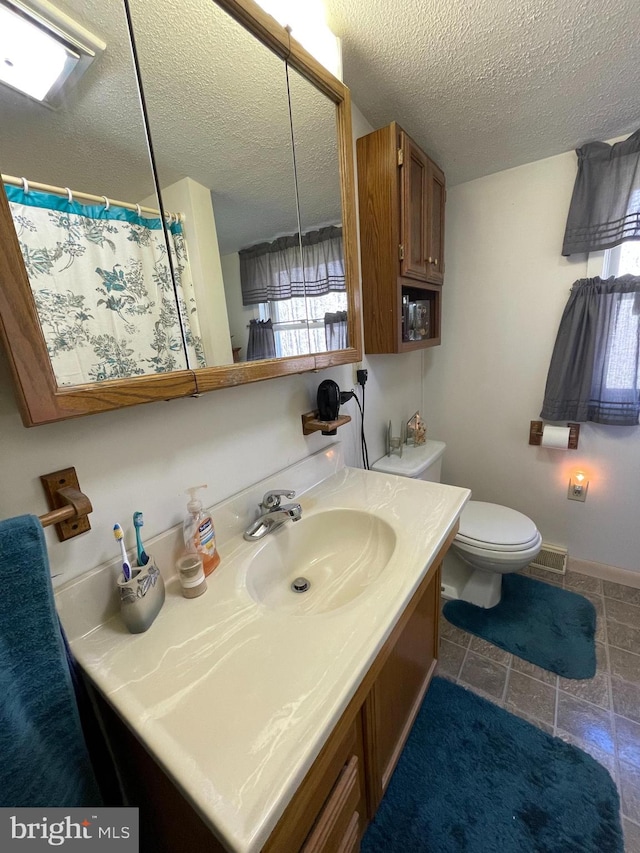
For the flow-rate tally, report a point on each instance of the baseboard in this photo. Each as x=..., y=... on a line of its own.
x=606, y=573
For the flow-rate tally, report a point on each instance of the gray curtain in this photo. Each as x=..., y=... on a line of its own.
x=605, y=206
x=262, y=343
x=277, y=270
x=594, y=373
x=335, y=330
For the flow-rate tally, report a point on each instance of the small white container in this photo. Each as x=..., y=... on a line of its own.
x=191, y=573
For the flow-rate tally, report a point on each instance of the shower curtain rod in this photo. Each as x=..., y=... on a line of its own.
x=71, y=194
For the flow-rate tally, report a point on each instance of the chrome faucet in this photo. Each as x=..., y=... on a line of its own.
x=273, y=514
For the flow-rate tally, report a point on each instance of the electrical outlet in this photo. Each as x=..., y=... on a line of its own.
x=578, y=487
x=356, y=368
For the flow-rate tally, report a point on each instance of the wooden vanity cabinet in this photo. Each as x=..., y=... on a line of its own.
x=402, y=195
x=397, y=693
x=342, y=790
x=376, y=723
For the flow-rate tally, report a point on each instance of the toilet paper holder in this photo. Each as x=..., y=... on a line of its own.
x=537, y=427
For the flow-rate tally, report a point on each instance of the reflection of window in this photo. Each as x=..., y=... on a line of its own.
x=298, y=324
x=296, y=296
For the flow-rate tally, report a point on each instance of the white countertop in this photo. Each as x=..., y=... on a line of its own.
x=235, y=700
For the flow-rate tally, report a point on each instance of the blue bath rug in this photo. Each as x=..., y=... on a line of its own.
x=540, y=623
x=474, y=778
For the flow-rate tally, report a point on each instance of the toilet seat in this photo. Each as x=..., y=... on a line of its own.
x=491, y=527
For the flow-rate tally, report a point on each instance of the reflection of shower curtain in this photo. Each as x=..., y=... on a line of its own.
x=335, y=330
x=103, y=288
x=262, y=343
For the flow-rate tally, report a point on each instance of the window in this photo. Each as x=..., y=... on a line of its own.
x=622, y=369
x=298, y=320
x=623, y=260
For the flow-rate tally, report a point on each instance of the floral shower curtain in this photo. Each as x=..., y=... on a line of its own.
x=103, y=288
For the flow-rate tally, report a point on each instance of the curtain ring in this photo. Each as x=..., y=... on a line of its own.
x=25, y=185
x=107, y=203
x=69, y=195
x=139, y=211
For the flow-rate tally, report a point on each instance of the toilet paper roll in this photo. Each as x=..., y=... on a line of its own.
x=554, y=437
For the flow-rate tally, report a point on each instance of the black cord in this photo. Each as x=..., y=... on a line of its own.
x=365, y=451
x=363, y=441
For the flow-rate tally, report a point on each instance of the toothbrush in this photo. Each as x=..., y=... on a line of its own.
x=138, y=521
x=119, y=537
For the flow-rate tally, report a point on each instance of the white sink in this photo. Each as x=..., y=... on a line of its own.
x=339, y=552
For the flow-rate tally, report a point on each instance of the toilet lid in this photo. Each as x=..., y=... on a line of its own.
x=493, y=524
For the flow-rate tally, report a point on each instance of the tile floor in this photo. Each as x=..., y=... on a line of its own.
x=600, y=715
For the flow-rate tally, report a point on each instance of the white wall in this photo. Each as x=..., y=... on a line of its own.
x=194, y=201
x=239, y=315
x=506, y=285
x=143, y=458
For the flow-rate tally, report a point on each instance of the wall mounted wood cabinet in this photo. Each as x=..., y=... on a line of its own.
x=402, y=200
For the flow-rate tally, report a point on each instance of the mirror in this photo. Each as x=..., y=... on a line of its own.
x=313, y=121
x=98, y=269
x=223, y=154
x=214, y=81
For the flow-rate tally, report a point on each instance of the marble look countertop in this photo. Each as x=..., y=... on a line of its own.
x=235, y=700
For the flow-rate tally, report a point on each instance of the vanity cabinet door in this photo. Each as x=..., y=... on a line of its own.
x=398, y=691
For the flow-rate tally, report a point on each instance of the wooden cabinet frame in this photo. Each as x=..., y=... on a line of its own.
x=41, y=400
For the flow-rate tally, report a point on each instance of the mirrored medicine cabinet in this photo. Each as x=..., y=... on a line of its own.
x=182, y=220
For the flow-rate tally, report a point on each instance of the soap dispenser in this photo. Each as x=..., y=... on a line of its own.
x=199, y=535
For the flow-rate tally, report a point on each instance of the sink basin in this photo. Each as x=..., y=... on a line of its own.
x=339, y=552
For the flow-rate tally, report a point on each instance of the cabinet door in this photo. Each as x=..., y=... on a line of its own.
x=436, y=194
x=399, y=689
x=414, y=211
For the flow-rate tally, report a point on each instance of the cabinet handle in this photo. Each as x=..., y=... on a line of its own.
x=436, y=262
x=430, y=260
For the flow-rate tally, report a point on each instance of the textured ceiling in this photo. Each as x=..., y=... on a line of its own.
x=218, y=111
x=485, y=85
x=482, y=85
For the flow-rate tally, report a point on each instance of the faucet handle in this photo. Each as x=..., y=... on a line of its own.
x=272, y=499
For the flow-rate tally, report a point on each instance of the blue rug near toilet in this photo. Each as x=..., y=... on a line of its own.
x=540, y=623
x=474, y=778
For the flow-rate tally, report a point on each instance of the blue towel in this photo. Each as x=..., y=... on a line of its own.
x=44, y=756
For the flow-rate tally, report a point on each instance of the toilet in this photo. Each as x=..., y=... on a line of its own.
x=493, y=540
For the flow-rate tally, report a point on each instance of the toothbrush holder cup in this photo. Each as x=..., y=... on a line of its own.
x=142, y=597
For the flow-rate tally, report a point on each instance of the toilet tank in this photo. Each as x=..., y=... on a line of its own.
x=421, y=462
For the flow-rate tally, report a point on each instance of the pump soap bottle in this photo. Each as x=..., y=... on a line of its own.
x=199, y=535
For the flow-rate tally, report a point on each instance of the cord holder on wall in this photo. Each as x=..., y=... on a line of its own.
x=536, y=433
x=312, y=423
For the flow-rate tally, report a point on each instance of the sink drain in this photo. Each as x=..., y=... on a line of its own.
x=300, y=585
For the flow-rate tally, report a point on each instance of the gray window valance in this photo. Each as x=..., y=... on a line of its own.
x=275, y=271
x=605, y=205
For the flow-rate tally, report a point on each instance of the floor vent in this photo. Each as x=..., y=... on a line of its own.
x=551, y=558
